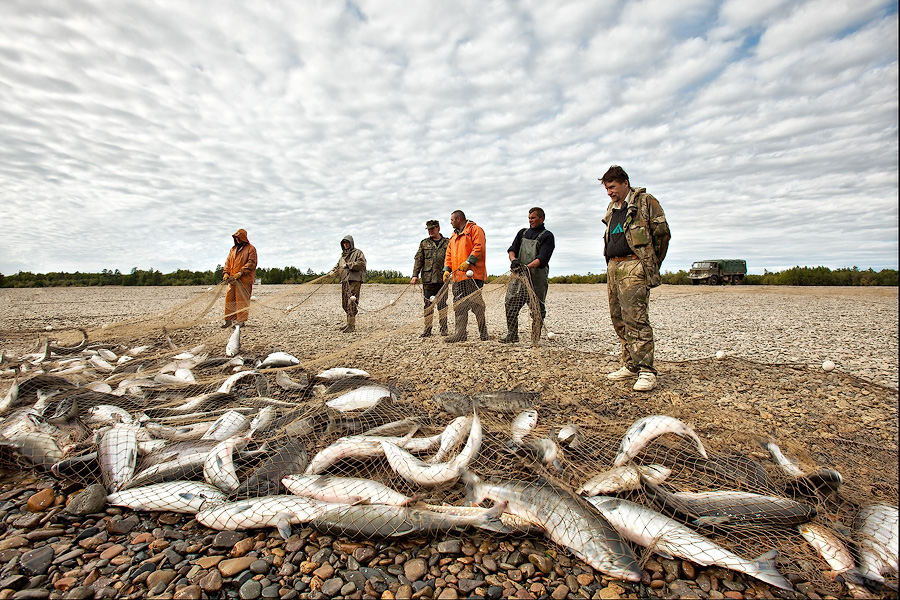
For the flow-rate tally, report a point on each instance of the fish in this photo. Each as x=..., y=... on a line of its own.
x=359, y=446
x=40, y=449
x=203, y=402
x=451, y=437
x=118, y=452
x=567, y=520
x=278, y=359
x=788, y=465
x=430, y=474
x=186, y=466
x=344, y=490
x=340, y=373
x=25, y=392
x=263, y=419
x=107, y=355
x=669, y=538
x=401, y=426
x=179, y=434
x=229, y=384
x=234, y=342
x=101, y=365
x=546, y=451
x=643, y=431
x=103, y=414
x=285, y=382
x=82, y=468
x=55, y=348
x=834, y=551
x=174, y=496
x=218, y=468
x=515, y=524
x=360, y=398
x=266, y=480
x=505, y=401
x=279, y=511
x=455, y=403
x=734, y=467
x=570, y=436
x=385, y=521
x=522, y=425
x=228, y=425
x=875, y=530
x=821, y=481
x=732, y=507
x=623, y=479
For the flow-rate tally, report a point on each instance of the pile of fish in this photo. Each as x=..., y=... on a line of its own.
x=321, y=449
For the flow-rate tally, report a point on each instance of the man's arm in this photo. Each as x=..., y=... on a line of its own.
x=659, y=229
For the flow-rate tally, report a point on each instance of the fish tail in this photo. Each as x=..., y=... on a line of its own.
x=767, y=571
x=471, y=480
x=490, y=520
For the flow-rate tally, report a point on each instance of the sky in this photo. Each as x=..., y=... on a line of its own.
x=142, y=134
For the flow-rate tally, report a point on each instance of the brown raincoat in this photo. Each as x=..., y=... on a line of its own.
x=241, y=263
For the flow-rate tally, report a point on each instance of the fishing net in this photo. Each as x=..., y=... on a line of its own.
x=369, y=436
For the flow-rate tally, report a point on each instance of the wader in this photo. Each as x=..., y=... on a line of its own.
x=529, y=288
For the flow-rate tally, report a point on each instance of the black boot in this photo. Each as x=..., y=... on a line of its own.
x=462, y=320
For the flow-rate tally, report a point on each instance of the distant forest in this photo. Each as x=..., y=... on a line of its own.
x=293, y=275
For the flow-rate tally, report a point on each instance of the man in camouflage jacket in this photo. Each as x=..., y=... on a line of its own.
x=636, y=240
x=429, y=266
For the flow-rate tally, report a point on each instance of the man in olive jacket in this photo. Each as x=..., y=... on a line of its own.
x=429, y=262
x=351, y=267
x=636, y=240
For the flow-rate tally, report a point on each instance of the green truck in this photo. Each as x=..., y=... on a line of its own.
x=718, y=271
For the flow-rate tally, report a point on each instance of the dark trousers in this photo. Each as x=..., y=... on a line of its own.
x=467, y=296
x=439, y=293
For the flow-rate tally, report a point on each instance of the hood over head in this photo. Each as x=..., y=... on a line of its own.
x=347, y=238
x=240, y=237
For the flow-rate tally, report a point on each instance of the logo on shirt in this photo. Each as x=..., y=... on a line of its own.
x=618, y=229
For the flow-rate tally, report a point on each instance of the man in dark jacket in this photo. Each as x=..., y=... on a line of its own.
x=429, y=262
x=636, y=241
x=351, y=268
x=529, y=257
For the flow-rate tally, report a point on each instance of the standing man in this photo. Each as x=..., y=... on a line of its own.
x=351, y=268
x=465, y=253
x=636, y=240
x=429, y=262
x=239, y=273
x=529, y=257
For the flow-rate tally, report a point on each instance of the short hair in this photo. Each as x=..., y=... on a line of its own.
x=537, y=210
x=459, y=213
x=615, y=173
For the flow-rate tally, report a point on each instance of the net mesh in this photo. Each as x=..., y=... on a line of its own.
x=360, y=438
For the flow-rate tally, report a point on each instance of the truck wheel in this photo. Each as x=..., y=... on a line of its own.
x=735, y=279
x=713, y=280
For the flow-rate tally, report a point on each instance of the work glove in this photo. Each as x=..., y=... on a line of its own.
x=464, y=265
x=447, y=275
x=515, y=265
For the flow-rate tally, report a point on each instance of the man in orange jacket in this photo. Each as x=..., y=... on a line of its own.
x=464, y=264
x=239, y=273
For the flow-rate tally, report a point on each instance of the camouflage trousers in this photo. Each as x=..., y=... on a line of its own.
x=348, y=289
x=629, y=304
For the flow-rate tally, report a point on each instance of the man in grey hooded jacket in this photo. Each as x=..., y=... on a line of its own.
x=351, y=268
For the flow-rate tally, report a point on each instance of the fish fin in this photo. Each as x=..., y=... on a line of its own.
x=710, y=521
x=490, y=520
x=283, y=525
x=768, y=572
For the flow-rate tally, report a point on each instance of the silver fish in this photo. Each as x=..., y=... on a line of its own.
x=279, y=511
x=218, y=468
x=340, y=373
x=360, y=398
x=179, y=434
x=723, y=507
x=228, y=425
x=788, y=465
x=570, y=436
x=430, y=474
x=102, y=365
x=285, y=382
x=649, y=428
x=278, y=359
x=567, y=519
x=546, y=451
x=41, y=449
x=228, y=385
x=263, y=419
x=266, y=480
x=669, y=538
x=383, y=521
x=362, y=446
x=344, y=490
x=876, y=532
x=234, y=342
x=118, y=452
x=103, y=414
x=451, y=437
x=623, y=479
x=524, y=422
x=187, y=466
x=174, y=496
x=834, y=551
x=513, y=523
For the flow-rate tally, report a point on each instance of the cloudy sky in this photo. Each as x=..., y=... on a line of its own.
x=143, y=134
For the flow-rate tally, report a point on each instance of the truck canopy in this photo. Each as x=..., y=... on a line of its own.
x=724, y=265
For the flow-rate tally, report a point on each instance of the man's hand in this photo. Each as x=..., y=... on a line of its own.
x=447, y=275
x=414, y=280
x=464, y=265
x=515, y=265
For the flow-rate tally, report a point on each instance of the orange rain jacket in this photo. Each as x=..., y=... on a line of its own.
x=241, y=262
x=468, y=245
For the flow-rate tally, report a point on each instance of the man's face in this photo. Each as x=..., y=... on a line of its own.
x=534, y=220
x=435, y=232
x=345, y=245
x=617, y=190
x=456, y=221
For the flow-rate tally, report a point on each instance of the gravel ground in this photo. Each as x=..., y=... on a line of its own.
x=770, y=384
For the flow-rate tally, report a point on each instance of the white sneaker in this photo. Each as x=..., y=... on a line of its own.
x=623, y=373
x=646, y=382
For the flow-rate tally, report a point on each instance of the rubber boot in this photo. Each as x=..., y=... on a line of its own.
x=512, y=329
x=429, y=319
x=462, y=320
x=482, y=324
x=227, y=324
x=351, y=324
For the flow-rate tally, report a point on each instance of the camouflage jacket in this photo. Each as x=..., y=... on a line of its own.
x=646, y=231
x=429, y=261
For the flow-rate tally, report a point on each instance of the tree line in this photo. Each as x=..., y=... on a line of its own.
x=803, y=276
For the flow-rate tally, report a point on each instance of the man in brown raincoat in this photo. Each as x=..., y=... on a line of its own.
x=238, y=274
